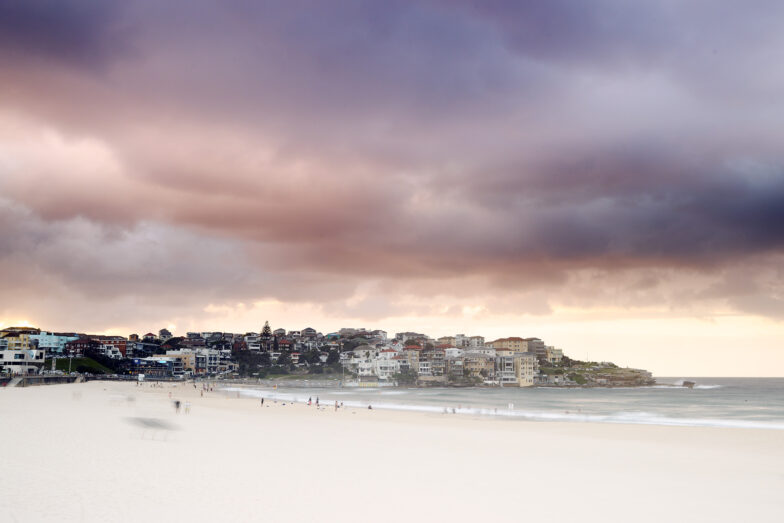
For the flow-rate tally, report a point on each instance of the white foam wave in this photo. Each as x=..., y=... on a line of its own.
x=637, y=418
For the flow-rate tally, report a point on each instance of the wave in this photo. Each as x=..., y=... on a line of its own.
x=636, y=418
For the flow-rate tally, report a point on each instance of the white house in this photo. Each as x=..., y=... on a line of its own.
x=22, y=361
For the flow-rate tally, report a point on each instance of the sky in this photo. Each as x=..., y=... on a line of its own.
x=607, y=176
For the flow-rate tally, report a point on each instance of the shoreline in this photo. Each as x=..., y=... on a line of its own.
x=88, y=457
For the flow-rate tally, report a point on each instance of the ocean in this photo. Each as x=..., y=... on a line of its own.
x=713, y=402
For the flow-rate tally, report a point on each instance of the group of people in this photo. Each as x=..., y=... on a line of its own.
x=178, y=403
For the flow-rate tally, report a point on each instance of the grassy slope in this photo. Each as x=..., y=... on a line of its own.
x=62, y=364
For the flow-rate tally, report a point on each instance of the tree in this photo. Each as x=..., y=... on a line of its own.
x=313, y=356
x=333, y=357
x=406, y=377
x=266, y=332
x=264, y=359
x=284, y=359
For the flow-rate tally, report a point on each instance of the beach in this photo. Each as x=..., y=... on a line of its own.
x=114, y=451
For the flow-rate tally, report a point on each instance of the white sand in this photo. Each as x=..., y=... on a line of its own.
x=70, y=454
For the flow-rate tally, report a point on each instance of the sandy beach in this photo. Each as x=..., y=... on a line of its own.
x=105, y=451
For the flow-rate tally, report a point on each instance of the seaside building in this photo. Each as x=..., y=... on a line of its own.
x=479, y=364
x=412, y=356
x=554, y=355
x=112, y=346
x=536, y=346
x=505, y=371
x=22, y=361
x=514, y=344
x=454, y=366
x=447, y=340
x=436, y=358
x=386, y=368
x=52, y=342
x=476, y=342
x=253, y=342
x=525, y=368
x=18, y=352
x=18, y=338
x=81, y=345
x=450, y=351
x=187, y=359
x=405, y=336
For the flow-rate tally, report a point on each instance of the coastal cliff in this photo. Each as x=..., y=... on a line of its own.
x=591, y=374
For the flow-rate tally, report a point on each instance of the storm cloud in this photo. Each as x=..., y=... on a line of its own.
x=315, y=151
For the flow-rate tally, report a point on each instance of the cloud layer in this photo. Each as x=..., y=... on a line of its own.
x=393, y=159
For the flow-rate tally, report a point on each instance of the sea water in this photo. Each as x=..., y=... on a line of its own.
x=713, y=402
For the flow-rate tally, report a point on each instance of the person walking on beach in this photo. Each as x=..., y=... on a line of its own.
x=187, y=407
x=309, y=400
x=262, y=402
x=336, y=405
x=177, y=406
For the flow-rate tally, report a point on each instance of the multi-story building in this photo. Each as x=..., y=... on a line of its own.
x=18, y=338
x=479, y=365
x=447, y=340
x=525, y=368
x=505, y=371
x=454, y=366
x=52, y=342
x=451, y=352
x=186, y=357
x=386, y=368
x=116, y=345
x=412, y=355
x=476, y=342
x=436, y=357
x=253, y=342
x=22, y=361
x=207, y=361
x=536, y=346
x=514, y=343
x=81, y=345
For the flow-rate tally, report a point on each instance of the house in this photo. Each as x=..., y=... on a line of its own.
x=22, y=361
x=52, y=342
x=554, y=355
x=385, y=368
x=81, y=345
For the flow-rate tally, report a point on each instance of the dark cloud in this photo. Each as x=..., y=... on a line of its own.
x=514, y=142
x=76, y=32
